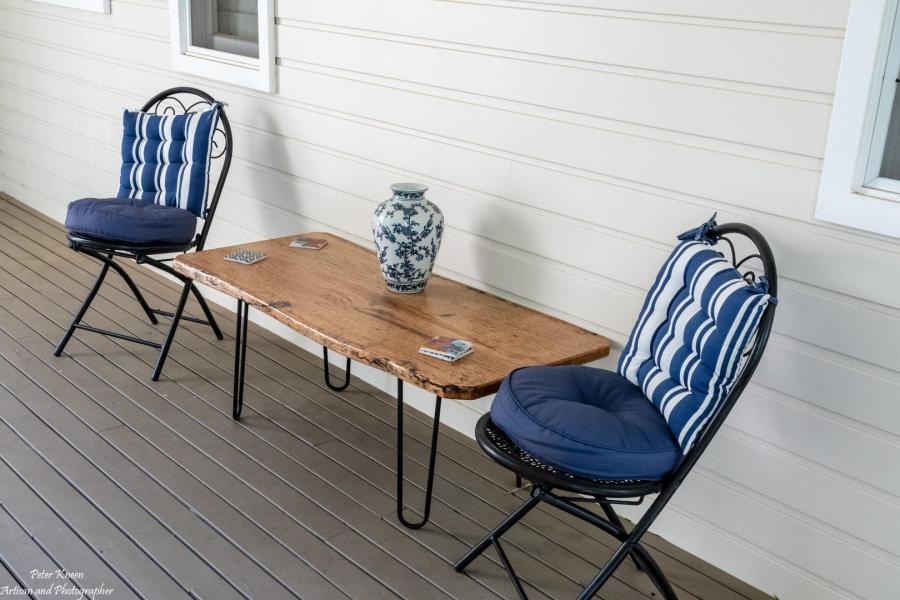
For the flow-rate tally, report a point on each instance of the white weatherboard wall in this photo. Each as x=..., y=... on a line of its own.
x=567, y=143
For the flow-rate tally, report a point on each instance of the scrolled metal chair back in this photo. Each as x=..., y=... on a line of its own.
x=764, y=262
x=184, y=100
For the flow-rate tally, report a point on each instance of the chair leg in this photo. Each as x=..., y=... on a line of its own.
x=508, y=522
x=621, y=553
x=210, y=319
x=630, y=544
x=513, y=576
x=176, y=319
x=131, y=284
x=207, y=313
x=631, y=547
x=84, y=307
x=613, y=518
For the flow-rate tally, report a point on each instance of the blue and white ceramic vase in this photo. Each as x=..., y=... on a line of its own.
x=408, y=230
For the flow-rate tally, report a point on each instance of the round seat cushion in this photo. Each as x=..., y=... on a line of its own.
x=131, y=220
x=587, y=422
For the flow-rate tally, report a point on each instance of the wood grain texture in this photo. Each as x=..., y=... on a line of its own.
x=336, y=296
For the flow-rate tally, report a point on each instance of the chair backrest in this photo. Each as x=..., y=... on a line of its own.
x=184, y=100
x=688, y=344
x=762, y=257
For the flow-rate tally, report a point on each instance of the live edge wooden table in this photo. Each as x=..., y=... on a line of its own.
x=336, y=297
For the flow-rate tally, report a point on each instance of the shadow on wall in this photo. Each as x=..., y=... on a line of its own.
x=272, y=222
x=491, y=267
x=488, y=262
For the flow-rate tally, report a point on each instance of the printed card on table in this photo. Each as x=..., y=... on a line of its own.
x=446, y=348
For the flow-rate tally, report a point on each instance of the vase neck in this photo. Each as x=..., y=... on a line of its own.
x=409, y=191
x=408, y=197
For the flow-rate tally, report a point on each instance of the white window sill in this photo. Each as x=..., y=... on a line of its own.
x=868, y=209
x=100, y=6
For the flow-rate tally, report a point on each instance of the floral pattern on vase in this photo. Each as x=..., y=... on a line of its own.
x=408, y=229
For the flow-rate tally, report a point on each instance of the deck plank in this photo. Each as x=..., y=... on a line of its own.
x=682, y=566
x=30, y=517
x=555, y=582
x=141, y=390
x=133, y=409
x=304, y=486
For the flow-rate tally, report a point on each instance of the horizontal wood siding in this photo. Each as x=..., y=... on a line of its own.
x=567, y=143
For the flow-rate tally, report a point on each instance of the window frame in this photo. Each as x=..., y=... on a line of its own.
x=237, y=69
x=98, y=6
x=843, y=197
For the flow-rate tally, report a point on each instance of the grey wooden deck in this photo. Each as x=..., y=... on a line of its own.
x=152, y=490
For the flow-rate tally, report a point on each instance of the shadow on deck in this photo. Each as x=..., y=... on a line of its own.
x=152, y=491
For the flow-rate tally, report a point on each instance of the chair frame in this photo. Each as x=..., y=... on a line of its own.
x=545, y=479
x=173, y=101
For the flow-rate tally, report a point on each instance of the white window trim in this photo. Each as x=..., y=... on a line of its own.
x=257, y=74
x=100, y=6
x=843, y=199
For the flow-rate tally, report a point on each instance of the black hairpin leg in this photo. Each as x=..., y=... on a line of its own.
x=240, y=358
x=337, y=388
x=84, y=307
x=431, y=460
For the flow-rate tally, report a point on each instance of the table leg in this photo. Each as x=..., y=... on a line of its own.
x=240, y=358
x=337, y=388
x=433, y=455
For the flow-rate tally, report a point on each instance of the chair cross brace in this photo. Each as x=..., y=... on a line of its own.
x=107, y=258
x=612, y=525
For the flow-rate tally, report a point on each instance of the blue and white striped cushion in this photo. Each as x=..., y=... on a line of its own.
x=166, y=158
x=686, y=349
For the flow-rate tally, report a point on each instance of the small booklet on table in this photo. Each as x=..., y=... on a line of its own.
x=309, y=243
x=446, y=348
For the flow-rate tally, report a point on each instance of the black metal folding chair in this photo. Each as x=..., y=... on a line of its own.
x=174, y=101
x=548, y=481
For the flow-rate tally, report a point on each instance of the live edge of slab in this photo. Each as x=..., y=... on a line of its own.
x=336, y=297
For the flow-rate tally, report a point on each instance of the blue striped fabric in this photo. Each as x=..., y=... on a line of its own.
x=166, y=158
x=687, y=346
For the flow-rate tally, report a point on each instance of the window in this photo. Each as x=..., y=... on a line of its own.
x=860, y=184
x=100, y=6
x=228, y=40
x=883, y=163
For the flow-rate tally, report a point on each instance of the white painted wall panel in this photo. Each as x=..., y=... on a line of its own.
x=567, y=143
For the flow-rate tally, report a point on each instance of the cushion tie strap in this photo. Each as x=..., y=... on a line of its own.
x=701, y=233
x=761, y=286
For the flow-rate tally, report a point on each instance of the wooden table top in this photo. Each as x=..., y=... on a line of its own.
x=336, y=296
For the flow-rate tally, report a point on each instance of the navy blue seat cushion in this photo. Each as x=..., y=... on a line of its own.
x=586, y=421
x=131, y=220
